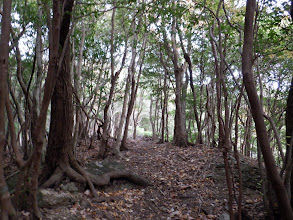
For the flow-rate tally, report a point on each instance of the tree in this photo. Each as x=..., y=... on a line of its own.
x=188, y=60
x=59, y=150
x=60, y=161
x=134, y=85
x=257, y=113
x=289, y=143
x=114, y=78
x=7, y=210
x=180, y=134
x=289, y=133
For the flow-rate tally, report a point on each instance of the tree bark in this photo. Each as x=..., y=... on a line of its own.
x=114, y=77
x=61, y=124
x=188, y=60
x=135, y=118
x=123, y=116
x=164, y=107
x=289, y=132
x=180, y=135
x=38, y=85
x=154, y=136
x=134, y=86
x=248, y=135
x=77, y=88
x=224, y=123
x=7, y=210
x=257, y=113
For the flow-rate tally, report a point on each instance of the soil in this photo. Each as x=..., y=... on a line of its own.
x=187, y=183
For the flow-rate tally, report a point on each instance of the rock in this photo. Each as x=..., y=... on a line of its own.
x=250, y=177
x=49, y=198
x=70, y=187
x=250, y=173
x=85, y=204
x=104, y=167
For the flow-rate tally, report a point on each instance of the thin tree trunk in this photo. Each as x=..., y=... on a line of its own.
x=164, y=107
x=167, y=122
x=123, y=117
x=77, y=88
x=129, y=112
x=289, y=138
x=248, y=135
x=289, y=135
x=188, y=60
x=157, y=115
x=114, y=77
x=257, y=113
x=38, y=84
x=184, y=96
x=276, y=136
x=136, y=118
x=7, y=210
x=180, y=135
x=134, y=86
x=236, y=155
x=152, y=121
x=224, y=124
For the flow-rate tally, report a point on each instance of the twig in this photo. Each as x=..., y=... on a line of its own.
x=12, y=175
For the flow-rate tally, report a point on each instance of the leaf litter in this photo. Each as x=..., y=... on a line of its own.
x=184, y=186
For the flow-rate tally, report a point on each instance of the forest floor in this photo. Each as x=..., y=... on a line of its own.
x=187, y=183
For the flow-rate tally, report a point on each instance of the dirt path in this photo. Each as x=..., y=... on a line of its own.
x=184, y=186
x=181, y=177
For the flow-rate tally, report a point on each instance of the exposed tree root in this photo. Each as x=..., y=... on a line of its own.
x=85, y=175
x=78, y=174
x=56, y=177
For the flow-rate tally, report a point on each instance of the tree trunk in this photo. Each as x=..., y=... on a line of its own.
x=248, y=135
x=7, y=209
x=164, y=107
x=154, y=137
x=188, y=60
x=129, y=112
x=224, y=123
x=77, y=88
x=38, y=85
x=180, y=135
x=157, y=119
x=236, y=155
x=134, y=85
x=136, y=117
x=123, y=117
x=114, y=77
x=257, y=113
x=28, y=178
x=289, y=132
x=60, y=140
x=184, y=97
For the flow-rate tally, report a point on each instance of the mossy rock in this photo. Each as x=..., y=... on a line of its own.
x=49, y=198
x=251, y=177
x=100, y=168
x=250, y=174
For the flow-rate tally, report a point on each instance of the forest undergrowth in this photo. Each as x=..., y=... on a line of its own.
x=187, y=183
